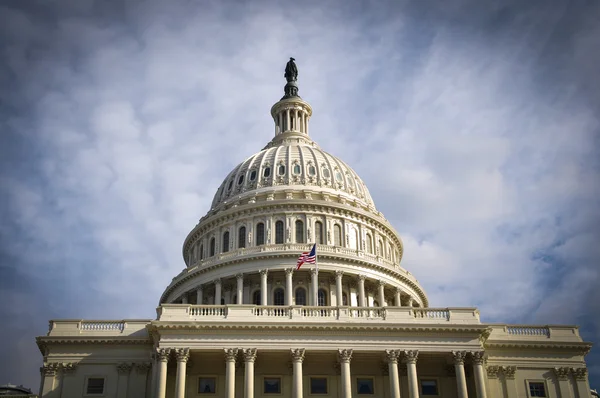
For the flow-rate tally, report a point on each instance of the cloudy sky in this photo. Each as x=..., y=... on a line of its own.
x=474, y=124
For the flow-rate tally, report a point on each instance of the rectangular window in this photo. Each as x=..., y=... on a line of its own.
x=272, y=385
x=364, y=386
x=207, y=385
x=318, y=385
x=429, y=387
x=95, y=386
x=537, y=389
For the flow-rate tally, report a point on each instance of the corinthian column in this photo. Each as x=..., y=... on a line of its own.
x=459, y=369
x=288, y=286
x=182, y=355
x=392, y=360
x=163, y=358
x=338, y=288
x=410, y=357
x=263, y=286
x=361, y=291
x=297, y=358
x=344, y=356
x=314, y=273
x=230, y=355
x=249, y=358
x=217, y=292
x=398, y=298
x=240, y=288
x=478, y=358
x=381, y=293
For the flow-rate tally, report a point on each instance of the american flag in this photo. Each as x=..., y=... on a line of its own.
x=307, y=257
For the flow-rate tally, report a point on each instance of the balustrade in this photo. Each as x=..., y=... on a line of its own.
x=528, y=331
x=431, y=313
x=102, y=325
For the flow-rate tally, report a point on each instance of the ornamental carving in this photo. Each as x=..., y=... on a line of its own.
x=230, y=354
x=264, y=272
x=509, y=371
x=239, y=277
x=182, y=354
x=163, y=354
x=297, y=354
x=124, y=368
x=410, y=356
x=314, y=271
x=339, y=273
x=392, y=356
x=344, y=356
x=492, y=371
x=459, y=357
x=49, y=369
x=249, y=354
x=69, y=367
x=561, y=373
x=478, y=357
x=143, y=367
x=579, y=373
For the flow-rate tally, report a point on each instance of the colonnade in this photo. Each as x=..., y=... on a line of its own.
x=344, y=357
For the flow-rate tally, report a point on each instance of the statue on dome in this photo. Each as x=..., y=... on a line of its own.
x=291, y=71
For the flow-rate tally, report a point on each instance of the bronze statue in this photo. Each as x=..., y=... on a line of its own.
x=291, y=71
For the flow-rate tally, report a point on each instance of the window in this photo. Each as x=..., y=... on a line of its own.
x=267, y=172
x=380, y=253
x=242, y=237
x=281, y=170
x=201, y=252
x=537, y=389
x=207, y=385
x=278, y=297
x=337, y=235
x=322, y=297
x=429, y=387
x=279, y=232
x=318, y=385
x=312, y=170
x=364, y=386
x=230, y=185
x=296, y=169
x=299, y=231
x=344, y=299
x=256, y=297
x=253, y=175
x=326, y=173
x=212, y=247
x=260, y=234
x=338, y=176
x=94, y=386
x=301, y=296
x=226, y=242
x=319, y=232
x=240, y=179
x=272, y=385
x=369, y=244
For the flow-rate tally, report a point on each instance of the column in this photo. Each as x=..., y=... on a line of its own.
x=230, y=355
x=240, y=288
x=49, y=382
x=459, y=370
x=381, y=293
x=410, y=357
x=123, y=370
x=339, y=295
x=392, y=360
x=314, y=273
x=287, y=118
x=583, y=385
x=263, y=286
x=289, y=288
x=249, y=358
x=154, y=381
x=398, y=298
x=410, y=301
x=217, y=291
x=199, y=295
x=344, y=356
x=509, y=379
x=297, y=358
x=163, y=358
x=184, y=298
x=478, y=358
x=140, y=381
x=361, y=291
x=296, y=120
x=562, y=374
x=493, y=382
x=182, y=355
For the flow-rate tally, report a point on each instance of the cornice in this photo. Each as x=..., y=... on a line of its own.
x=44, y=341
x=581, y=347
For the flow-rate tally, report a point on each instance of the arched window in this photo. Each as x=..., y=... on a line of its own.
x=267, y=172
x=319, y=232
x=322, y=297
x=256, y=297
x=369, y=244
x=299, y=231
x=344, y=299
x=312, y=170
x=253, y=175
x=381, y=248
x=278, y=297
x=226, y=242
x=201, y=254
x=297, y=169
x=242, y=237
x=337, y=235
x=279, y=232
x=301, y=296
x=281, y=170
x=212, y=247
x=260, y=234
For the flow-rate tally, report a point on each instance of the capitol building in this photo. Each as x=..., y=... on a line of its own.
x=241, y=320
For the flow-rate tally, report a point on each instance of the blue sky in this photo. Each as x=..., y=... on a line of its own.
x=474, y=124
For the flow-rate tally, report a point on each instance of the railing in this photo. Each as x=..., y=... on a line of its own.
x=528, y=331
x=367, y=312
x=102, y=325
x=272, y=311
x=433, y=313
x=208, y=310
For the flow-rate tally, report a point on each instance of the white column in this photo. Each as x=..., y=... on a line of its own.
x=297, y=358
x=287, y=118
x=49, y=383
x=249, y=358
x=344, y=356
x=478, y=358
x=338, y=288
x=182, y=355
x=392, y=360
x=410, y=357
x=296, y=120
x=230, y=355
x=289, y=286
x=410, y=301
x=123, y=371
x=240, y=288
x=199, y=295
x=163, y=358
x=314, y=273
x=361, y=291
x=582, y=382
x=154, y=382
x=459, y=367
x=184, y=299
x=381, y=293
x=398, y=298
x=509, y=379
x=263, y=286
x=562, y=375
x=217, y=291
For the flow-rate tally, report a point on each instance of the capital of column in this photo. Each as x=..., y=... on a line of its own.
x=263, y=272
x=163, y=354
x=217, y=281
x=230, y=354
x=362, y=278
x=399, y=290
x=381, y=283
x=492, y=371
x=339, y=273
x=182, y=354
x=314, y=271
x=579, y=373
x=410, y=356
x=239, y=277
x=69, y=367
x=392, y=356
x=249, y=354
x=478, y=357
x=289, y=271
x=49, y=369
x=124, y=368
x=297, y=354
x=143, y=367
x=344, y=356
x=459, y=357
x=509, y=371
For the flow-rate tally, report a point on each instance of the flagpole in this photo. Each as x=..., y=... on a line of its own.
x=316, y=259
